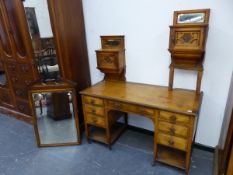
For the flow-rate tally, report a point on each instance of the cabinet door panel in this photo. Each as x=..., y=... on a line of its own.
x=18, y=29
x=4, y=37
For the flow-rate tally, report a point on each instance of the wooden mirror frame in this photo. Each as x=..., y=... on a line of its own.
x=205, y=11
x=63, y=86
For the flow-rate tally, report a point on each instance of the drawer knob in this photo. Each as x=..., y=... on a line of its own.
x=173, y=118
x=142, y=110
x=117, y=105
x=92, y=101
x=172, y=131
x=171, y=142
x=94, y=120
x=93, y=111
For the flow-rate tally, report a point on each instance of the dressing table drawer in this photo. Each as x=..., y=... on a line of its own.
x=171, y=141
x=93, y=101
x=130, y=108
x=95, y=120
x=174, y=118
x=95, y=110
x=172, y=129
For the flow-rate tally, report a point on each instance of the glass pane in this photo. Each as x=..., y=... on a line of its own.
x=191, y=18
x=55, y=117
x=2, y=75
x=37, y=15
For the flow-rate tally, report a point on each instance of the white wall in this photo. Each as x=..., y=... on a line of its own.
x=145, y=26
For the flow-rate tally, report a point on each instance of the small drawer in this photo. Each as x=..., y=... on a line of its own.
x=171, y=141
x=95, y=120
x=93, y=101
x=95, y=110
x=174, y=118
x=172, y=129
x=143, y=110
x=130, y=108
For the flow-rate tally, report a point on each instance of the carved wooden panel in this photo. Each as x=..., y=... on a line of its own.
x=4, y=37
x=187, y=38
x=107, y=60
x=14, y=28
x=18, y=29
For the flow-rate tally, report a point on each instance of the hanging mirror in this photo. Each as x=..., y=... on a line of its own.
x=38, y=19
x=3, y=78
x=55, y=115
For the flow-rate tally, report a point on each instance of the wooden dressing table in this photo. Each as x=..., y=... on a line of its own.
x=174, y=114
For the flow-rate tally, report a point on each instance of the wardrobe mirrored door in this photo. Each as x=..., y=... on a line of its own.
x=38, y=20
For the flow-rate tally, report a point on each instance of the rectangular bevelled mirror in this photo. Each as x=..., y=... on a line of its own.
x=199, y=16
x=55, y=117
x=41, y=33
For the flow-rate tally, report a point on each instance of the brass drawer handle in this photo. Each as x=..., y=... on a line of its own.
x=140, y=109
x=173, y=118
x=117, y=105
x=171, y=142
x=94, y=120
x=172, y=131
x=92, y=101
x=93, y=111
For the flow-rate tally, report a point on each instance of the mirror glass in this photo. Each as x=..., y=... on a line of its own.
x=55, y=117
x=38, y=19
x=2, y=75
x=191, y=18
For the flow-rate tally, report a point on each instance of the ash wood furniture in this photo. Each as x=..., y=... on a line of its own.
x=111, y=58
x=187, y=42
x=18, y=50
x=174, y=114
x=224, y=150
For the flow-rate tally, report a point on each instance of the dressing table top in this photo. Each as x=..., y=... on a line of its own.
x=177, y=100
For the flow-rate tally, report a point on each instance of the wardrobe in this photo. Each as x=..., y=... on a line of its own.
x=18, y=58
x=224, y=150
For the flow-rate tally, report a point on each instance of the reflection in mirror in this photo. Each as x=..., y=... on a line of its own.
x=37, y=15
x=55, y=117
x=191, y=18
x=2, y=75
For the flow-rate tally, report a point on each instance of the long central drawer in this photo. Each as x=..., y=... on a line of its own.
x=130, y=108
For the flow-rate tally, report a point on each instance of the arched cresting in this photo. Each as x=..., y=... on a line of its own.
x=113, y=114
